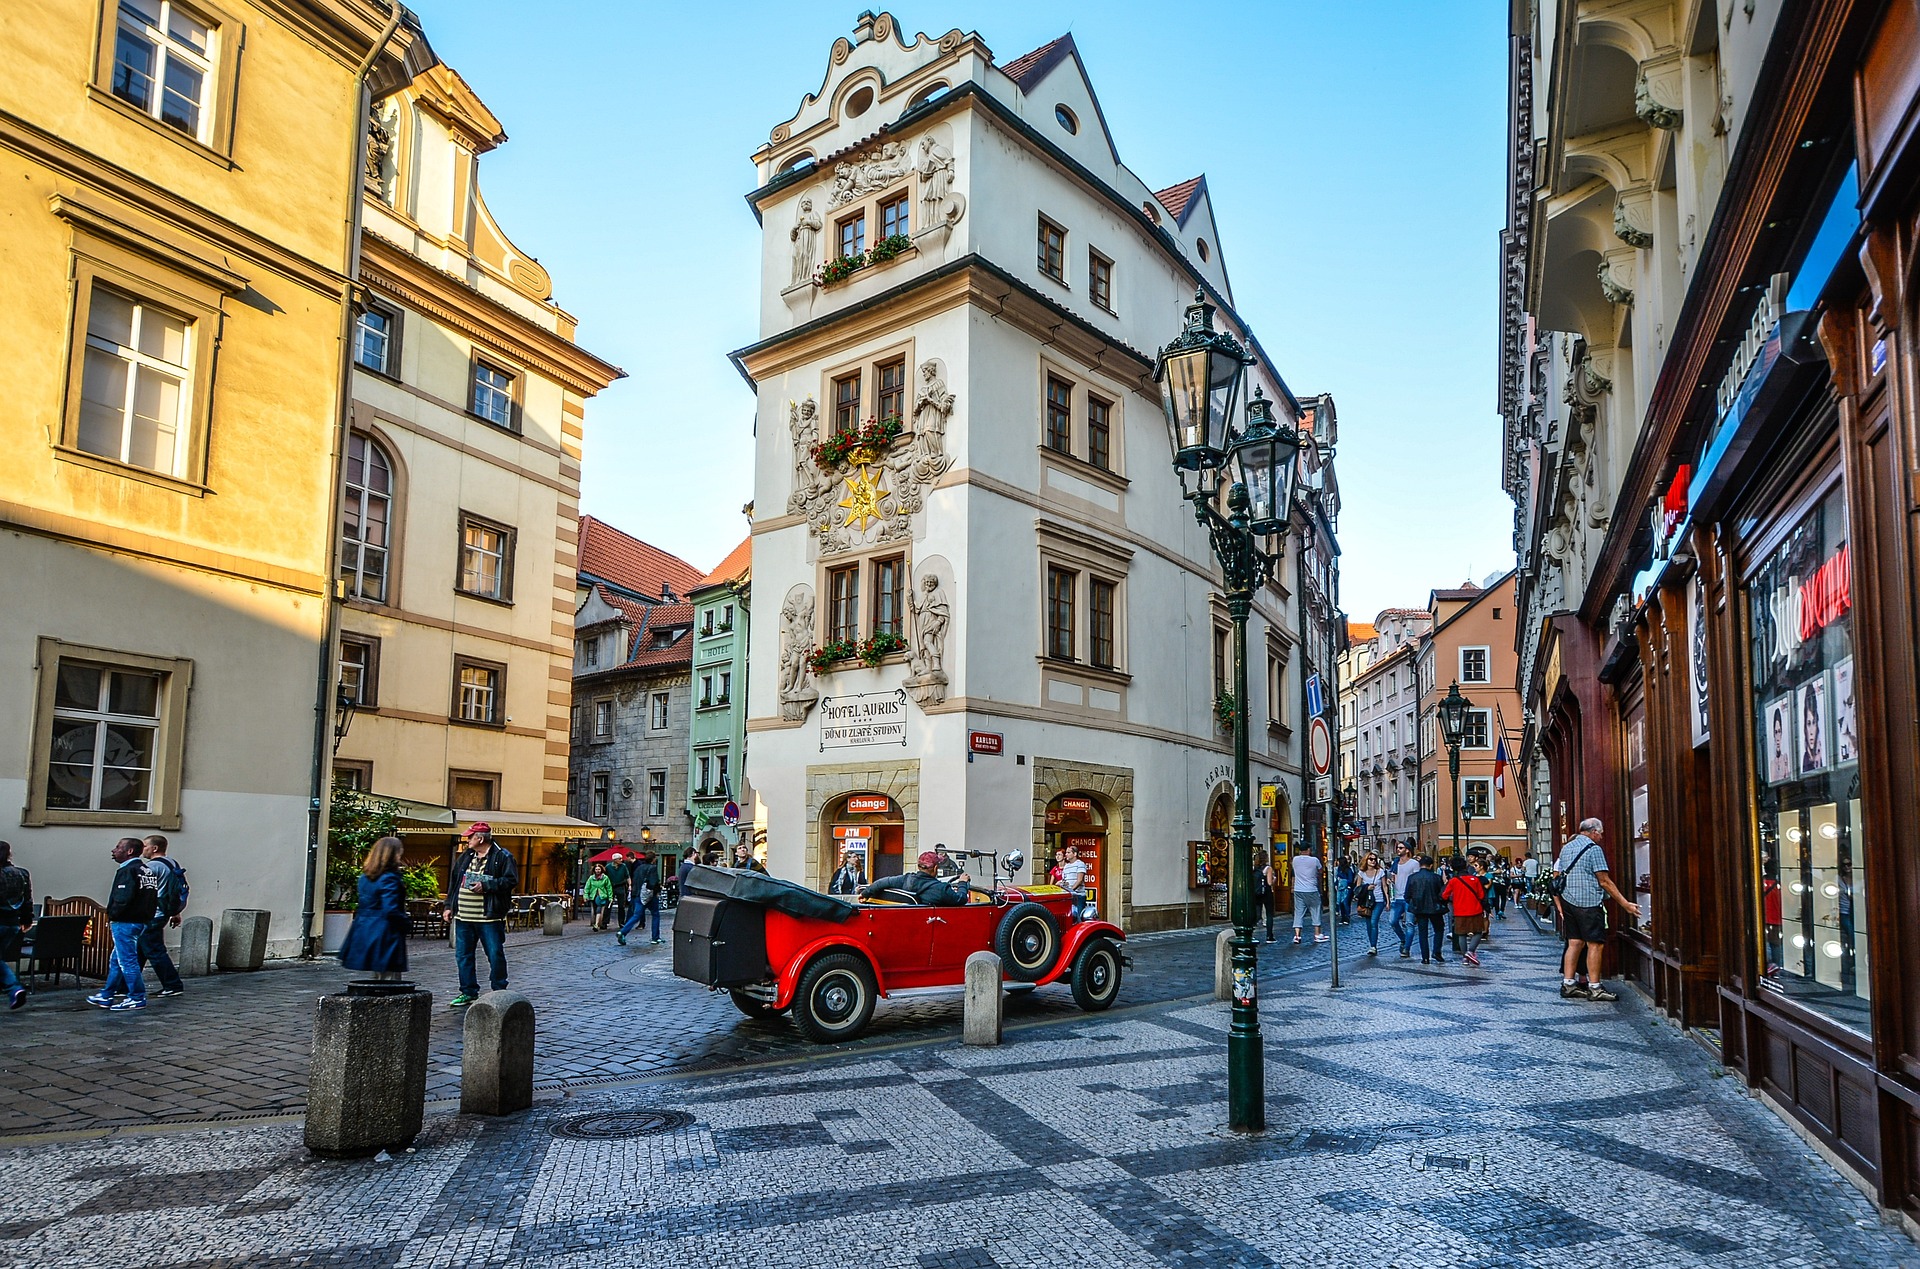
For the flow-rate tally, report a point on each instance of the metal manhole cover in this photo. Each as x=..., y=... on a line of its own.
x=613, y=1125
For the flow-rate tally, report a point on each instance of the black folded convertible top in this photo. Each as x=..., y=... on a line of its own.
x=756, y=888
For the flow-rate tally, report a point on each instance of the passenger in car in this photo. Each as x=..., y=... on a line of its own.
x=922, y=886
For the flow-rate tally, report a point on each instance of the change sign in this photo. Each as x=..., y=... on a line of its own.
x=875, y=718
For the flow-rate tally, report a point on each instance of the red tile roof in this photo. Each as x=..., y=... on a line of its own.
x=1176, y=197
x=610, y=555
x=1029, y=67
x=738, y=562
x=632, y=609
x=671, y=619
x=1360, y=632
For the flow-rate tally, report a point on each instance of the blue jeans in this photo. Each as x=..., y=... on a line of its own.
x=491, y=936
x=123, y=971
x=153, y=951
x=1372, y=918
x=640, y=911
x=10, y=947
x=1402, y=927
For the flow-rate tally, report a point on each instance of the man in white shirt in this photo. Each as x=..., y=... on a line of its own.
x=1073, y=879
x=1306, y=893
x=1400, y=924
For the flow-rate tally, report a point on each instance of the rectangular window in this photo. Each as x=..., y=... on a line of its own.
x=706, y=690
x=603, y=720
x=1273, y=689
x=1476, y=798
x=486, y=559
x=135, y=387
x=1053, y=250
x=602, y=795
x=355, y=776
x=590, y=652
x=706, y=622
x=891, y=378
x=657, y=712
x=656, y=793
x=360, y=669
x=722, y=785
x=1478, y=733
x=853, y=235
x=473, y=790
x=105, y=739
x=843, y=604
x=477, y=691
x=893, y=218
x=1473, y=665
x=1059, y=421
x=492, y=394
x=889, y=595
x=376, y=330
x=846, y=404
x=1100, y=432
x=1100, y=622
x=726, y=688
x=1100, y=280
x=1060, y=588
x=726, y=619
x=162, y=62
x=1219, y=660
x=705, y=771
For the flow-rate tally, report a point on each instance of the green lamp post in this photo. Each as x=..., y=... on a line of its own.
x=1200, y=375
x=1453, y=726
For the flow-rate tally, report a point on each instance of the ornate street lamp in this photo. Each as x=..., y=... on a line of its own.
x=1199, y=375
x=1453, y=726
x=345, y=702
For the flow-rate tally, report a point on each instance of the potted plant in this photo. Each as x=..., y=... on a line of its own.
x=355, y=822
x=862, y=444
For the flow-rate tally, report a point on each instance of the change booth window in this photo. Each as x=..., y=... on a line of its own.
x=1812, y=892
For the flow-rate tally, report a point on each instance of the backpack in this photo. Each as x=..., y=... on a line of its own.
x=13, y=890
x=173, y=889
x=1557, y=879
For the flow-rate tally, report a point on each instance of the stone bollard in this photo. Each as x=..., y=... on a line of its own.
x=367, y=1088
x=496, y=1055
x=554, y=919
x=243, y=939
x=985, y=1001
x=1223, y=965
x=196, y=947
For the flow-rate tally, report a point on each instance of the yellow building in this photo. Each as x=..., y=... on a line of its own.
x=173, y=231
x=460, y=499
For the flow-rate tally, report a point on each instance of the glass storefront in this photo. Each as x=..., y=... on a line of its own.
x=1807, y=770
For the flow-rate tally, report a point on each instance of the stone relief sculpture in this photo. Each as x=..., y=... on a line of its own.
x=797, y=693
x=932, y=614
x=858, y=177
x=803, y=425
x=1655, y=95
x=939, y=204
x=892, y=485
x=1630, y=223
x=1615, y=291
x=806, y=243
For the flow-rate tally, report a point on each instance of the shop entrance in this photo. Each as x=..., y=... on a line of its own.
x=1080, y=821
x=869, y=828
x=1219, y=839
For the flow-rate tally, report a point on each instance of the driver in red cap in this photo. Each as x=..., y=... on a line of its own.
x=923, y=886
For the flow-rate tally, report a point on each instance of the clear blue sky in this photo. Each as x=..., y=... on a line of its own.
x=1355, y=154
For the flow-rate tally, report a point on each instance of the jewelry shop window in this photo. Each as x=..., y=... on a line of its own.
x=1813, y=879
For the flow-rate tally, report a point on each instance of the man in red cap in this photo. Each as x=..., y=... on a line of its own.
x=484, y=879
x=921, y=887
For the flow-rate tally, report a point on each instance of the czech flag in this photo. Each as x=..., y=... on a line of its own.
x=1500, y=766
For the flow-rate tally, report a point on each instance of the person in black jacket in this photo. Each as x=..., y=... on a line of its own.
x=1424, y=902
x=16, y=918
x=924, y=887
x=130, y=907
x=484, y=878
x=646, y=897
x=847, y=877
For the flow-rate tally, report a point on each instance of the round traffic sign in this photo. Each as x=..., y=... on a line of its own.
x=1320, y=746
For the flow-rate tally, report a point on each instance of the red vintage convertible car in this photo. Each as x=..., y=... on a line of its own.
x=776, y=946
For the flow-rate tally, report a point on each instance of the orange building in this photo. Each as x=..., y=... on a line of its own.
x=1472, y=645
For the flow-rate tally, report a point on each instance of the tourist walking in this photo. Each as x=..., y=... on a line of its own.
x=599, y=893
x=16, y=918
x=1266, y=888
x=377, y=940
x=687, y=866
x=1307, y=874
x=1404, y=866
x=1371, y=884
x=1581, y=886
x=484, y=879
x=646, y=898
x=1343, y=889
x=171, y=902
x=619, y=876
x=1426, y=905
x=1466, y=892
x=130, y=907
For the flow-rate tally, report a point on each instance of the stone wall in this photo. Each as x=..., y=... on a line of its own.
x=898, y=778
x=1114, y=786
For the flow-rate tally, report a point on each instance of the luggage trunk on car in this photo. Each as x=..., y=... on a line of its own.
x=719, y=942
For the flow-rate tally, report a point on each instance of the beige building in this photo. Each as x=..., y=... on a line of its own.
x=164, y=513
x=460, y=499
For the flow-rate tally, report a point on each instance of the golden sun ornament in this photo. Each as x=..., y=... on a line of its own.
x=862, y=502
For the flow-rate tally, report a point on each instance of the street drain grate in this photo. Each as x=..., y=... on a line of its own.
x=614, y=1125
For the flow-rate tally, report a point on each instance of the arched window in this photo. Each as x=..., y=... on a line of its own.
x=366, y=519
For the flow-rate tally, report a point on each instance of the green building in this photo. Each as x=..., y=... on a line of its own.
x=717, y=740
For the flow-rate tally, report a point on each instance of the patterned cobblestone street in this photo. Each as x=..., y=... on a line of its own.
x=1437, y=1116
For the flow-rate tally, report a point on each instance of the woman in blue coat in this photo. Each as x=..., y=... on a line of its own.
x=377, y=942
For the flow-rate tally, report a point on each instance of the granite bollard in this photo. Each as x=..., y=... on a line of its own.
x=985, y=1000
x=496, y=1055
x=243, y=939
x=553, y=919
x=196, y=947
x=367, y=1088
x=1223, y=965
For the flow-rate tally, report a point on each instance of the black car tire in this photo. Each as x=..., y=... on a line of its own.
x=835, y=998
x=753, y=1006
x=1028, y=941
x=1096, y=975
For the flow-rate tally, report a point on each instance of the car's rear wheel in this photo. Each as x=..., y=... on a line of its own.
x=1096, y=975
x=753, y=1006
x=835, y=998
x=1028, y=941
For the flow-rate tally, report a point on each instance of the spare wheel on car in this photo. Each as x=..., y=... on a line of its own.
x=1028, y=941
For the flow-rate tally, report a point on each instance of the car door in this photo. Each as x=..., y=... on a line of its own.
x=901, y=938
x=957, y=933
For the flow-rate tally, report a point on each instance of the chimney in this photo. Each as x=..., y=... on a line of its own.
x=666, y=592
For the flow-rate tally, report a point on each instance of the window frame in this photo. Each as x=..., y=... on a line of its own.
x=1475, y=782
x=603, y=708
x=657, y=809
x=901, y=392
x=498, y=721
x=1051, y=256
x=659, y=706
x=842, y=612
x=1054, y=410
x=855, y=220
x=395, y=324
x=897, y=594
x=163, y=804
x=515, y=392
x=1105, y=431
x=903, y=199
x=1088, y=560
x=368, y=697
x=1466, y=733
x=845, y=407
x=1054, y=648
x=600, y=795
x=1095, y=290
x=356, y=589
x=227, y=36
x=1486, y=651
x=508, y=535
x=491, y=779
x=359, y=768
x=1095, y=617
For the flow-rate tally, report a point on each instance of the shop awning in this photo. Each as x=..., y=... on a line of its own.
x=508, y=824
x=418, y=817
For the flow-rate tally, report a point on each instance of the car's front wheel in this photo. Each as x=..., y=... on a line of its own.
x=835, y=998
x=1096, y=975
x=1028, y=941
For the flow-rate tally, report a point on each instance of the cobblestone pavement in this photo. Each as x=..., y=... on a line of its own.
x=238, y=1044
x=1416, y=1117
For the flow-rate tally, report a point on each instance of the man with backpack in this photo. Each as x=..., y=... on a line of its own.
x=171, y=902
x=16, y=918
x=1580, y=885
x=130, y=907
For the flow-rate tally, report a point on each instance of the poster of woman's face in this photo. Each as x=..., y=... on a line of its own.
x=1846, y=737
x=1779, y=740
x=1812, y=718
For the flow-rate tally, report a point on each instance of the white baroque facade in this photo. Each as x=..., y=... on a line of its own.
x=1016, y=564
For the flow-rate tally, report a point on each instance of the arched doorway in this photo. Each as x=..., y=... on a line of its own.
x=867, y=826
x=1219, y=842
x=1080, y=820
